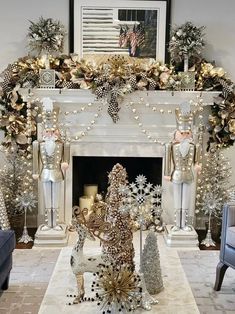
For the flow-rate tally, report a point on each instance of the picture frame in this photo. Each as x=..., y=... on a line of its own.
x=97, y=28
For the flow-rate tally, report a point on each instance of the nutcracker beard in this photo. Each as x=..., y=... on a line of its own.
x=184, y=147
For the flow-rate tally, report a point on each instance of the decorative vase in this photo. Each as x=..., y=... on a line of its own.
x=46, y=59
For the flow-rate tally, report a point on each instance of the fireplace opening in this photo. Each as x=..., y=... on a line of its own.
x=94, y=170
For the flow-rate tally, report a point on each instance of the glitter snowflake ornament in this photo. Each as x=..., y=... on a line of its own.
x=26, y=201
x=142, y=200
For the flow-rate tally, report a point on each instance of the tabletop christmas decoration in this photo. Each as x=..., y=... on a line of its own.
x=123, y=251
x=186, y=41
x=117, y=288
x=150, y=267
x=142, y=201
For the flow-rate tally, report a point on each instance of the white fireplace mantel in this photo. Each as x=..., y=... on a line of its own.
x=125, y=138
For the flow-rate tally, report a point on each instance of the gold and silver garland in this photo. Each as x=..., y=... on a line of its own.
x=123, y=77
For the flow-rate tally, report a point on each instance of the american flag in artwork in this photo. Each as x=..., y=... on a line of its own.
x=133, y=41
x=123, y=37
x=140, y=35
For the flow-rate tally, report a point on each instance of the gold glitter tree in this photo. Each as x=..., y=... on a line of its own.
x=123, y=251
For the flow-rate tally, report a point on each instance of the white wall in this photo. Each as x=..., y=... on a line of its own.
x=14, y=23
x=216, y=15
x=219, y=18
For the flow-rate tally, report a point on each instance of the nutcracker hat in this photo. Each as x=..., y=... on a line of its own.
x=184, y=118
x=49, y=114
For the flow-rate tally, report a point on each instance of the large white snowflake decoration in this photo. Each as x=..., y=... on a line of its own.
x=141, y=200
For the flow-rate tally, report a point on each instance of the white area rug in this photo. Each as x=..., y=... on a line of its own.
x=176, y=297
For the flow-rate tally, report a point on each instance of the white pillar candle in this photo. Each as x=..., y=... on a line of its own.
x=85, y=202
x=91, y=190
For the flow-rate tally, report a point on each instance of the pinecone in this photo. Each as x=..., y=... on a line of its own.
x=99, y=80
x=143, y=76
x=133, y=82
x=227, y=89
x=99, y=92
x=6, y=84
x=113, y=109
x=152, y=84
x=67, y=84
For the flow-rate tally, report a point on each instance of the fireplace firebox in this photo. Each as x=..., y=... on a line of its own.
x=94, y=170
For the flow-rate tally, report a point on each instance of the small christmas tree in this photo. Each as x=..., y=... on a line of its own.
x=4, y=221
x=213, y=182
x=15, y=178
x=213, y=191
x=151, y=264
x=122, y=252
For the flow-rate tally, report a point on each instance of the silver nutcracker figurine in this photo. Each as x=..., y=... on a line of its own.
x=183, y=154
x=50, y=160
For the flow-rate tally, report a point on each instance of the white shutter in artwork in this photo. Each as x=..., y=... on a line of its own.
x=99, y=32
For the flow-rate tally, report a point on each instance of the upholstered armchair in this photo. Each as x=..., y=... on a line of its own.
x=227, y=249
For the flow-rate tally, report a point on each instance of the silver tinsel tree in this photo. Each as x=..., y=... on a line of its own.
x=14, y=178
x=213, y=191
x=151, y=264
x=213, y=183
x=4, y=221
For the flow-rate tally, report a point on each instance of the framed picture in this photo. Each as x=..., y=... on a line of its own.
x=126, y=27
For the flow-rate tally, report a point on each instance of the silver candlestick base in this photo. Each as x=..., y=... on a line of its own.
x=25, y=238
x=208, y=240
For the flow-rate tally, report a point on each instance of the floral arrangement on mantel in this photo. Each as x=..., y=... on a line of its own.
x=109, y=80
x=186, y=41
x=46, y=35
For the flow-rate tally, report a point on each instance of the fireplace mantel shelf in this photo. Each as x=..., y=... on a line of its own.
x=81, y=96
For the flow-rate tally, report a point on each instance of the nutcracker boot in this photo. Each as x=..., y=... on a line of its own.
x=184, y=221
x=55, y=215
x=176, y=227
x=47, y=225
